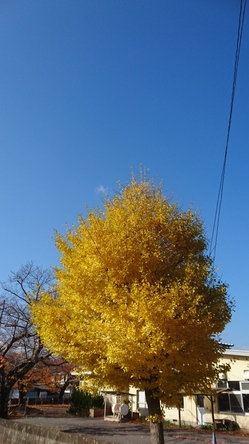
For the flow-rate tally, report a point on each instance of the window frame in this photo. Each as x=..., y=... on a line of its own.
x=235, y=398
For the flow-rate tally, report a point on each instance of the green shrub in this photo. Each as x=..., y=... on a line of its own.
x=97, y=402
x=80, y=403
x=206, y=427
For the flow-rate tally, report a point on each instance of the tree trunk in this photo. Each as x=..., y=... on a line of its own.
x=62, y=390
x=179, y=415
x=156, y=425
x=22, y=393
x=4, y=400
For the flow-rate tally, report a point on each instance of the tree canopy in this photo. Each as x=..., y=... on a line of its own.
x=138, y=301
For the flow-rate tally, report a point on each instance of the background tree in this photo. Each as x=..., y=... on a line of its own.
x=20, y=346
x=55, y=374
x=138, y=301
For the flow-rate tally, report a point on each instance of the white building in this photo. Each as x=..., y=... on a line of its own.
x=230, y=402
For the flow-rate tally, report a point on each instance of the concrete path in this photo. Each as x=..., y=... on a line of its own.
x=128, y=433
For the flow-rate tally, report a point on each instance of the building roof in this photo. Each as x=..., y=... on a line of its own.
x=242, y=353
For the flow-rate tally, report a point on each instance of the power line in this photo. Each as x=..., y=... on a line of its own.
x=214, y=237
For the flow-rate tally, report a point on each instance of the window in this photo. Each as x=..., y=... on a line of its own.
x=181, y=405
x=236, y=400
x=230, y=402
x=141, y=401
x=222, y=384
x=245, y=397
x=234, y=385
x=200, y=400
x=223, y=402
x=236, y=403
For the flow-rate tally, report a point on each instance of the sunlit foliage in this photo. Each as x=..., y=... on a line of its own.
x=138, y=301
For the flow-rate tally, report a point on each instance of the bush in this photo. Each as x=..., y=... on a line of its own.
x=168, y=423
x=206, y=427
x=232, y=426
x=97, y=402
x=80, y=403
x=227, y=424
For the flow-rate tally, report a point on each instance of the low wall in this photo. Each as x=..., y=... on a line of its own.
x=12, y=432
x=96, y=413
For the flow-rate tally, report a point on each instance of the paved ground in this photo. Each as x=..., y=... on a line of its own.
x=129, y=433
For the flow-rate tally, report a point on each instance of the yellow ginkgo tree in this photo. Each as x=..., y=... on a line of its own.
x=137, y=299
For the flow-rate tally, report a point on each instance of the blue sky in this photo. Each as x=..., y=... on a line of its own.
x=91, y=88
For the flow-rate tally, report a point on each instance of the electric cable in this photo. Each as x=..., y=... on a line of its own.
x=214, y=237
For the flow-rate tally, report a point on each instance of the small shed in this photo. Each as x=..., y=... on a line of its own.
x=118, y=406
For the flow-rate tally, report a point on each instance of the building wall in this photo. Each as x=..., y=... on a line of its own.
x=234, y=404
x=188, y=413
x=236, y=382
x=235, y=395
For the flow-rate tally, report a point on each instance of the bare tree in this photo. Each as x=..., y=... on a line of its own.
x=20, y=346
x=54, y=373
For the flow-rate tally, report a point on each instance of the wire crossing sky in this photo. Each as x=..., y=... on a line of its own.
x=214, y=237
x=91, y=90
